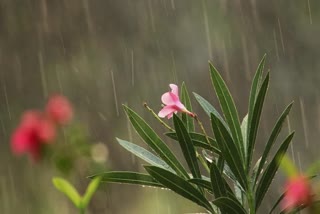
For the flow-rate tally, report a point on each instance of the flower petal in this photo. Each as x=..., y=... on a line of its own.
x=59, y=109
x=46, y=131
x=169, y=98
x=30, y=119
x=174, y=89
x=166, y=111
x=21, y=140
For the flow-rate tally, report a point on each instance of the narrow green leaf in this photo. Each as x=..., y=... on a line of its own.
x=127, y=178
x=244, y=126
x=179, y=186
x=228, y=108
x=67, y=189
x=229, y=150
x=144, y=154
x=255, y=88
x=277, y=203
x=253, y=124
x=313, y=169
x=91, y=189
x=271, y=170
x=155, y=142
x=220, y=163
x=219, y=185
x=238, y=191
x=217, y=181
x=272, y=139
x=255, y=169
x=288, y=167
x=185, y=99
x=229, y=205
x=253, y=93
x=198, y=140
x=203, y=183
x=187, y=147
x=208, y=108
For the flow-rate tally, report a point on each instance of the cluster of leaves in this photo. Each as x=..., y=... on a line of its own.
x=80, y=202
x=233, y=183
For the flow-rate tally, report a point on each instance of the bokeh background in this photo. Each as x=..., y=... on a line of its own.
x=102, y=54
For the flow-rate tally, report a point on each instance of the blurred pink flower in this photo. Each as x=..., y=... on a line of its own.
x=33, y=130
x=59, y=109
x=297, y=192
x=172, y=103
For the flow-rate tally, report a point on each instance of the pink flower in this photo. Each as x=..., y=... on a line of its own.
x=33, y=131
x=298, y=192
x=172, y=103
x=59, y=109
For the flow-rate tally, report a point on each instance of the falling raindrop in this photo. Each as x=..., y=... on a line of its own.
x=114, y=93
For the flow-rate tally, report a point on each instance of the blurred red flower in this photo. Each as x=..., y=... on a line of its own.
x=59, y=109
x=297, y=192
x=33, y=131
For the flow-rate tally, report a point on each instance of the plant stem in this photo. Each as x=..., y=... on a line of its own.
x=202, y=128
x=157, y=117
x=82, y=211
x=251, y=201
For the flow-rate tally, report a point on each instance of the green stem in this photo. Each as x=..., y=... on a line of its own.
x=82, y=211
x=251, y=201
x=202, y=128
x=203, y=162
x=157, y=117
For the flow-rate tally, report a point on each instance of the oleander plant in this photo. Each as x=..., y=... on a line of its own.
x=221, y=175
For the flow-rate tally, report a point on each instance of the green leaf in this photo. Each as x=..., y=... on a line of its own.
x=91, y=189
x=229, y=150
x=229, y=205
x=66, y=188
x=155, y=142
x=198, y=140
x=255, y=169
x=228, y=172
x=220, y=163
x=313, y=169
x=238, y=191
x=253, y=124
x=288, y=167
x=208, y=108
x=277, y=203
x=187, y=147
x=179, y=186
x=217, y=182
x=219, y=185
x=255, y=88
x=244, y=126
x=253, y=93
x=185, y=99
x=127, y=178
x=272, y=139
x=144, y=154
x=201, y=182
x=271, y=170
x=228, y=108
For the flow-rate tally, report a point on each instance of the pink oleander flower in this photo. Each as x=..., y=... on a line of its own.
x=59, y=109
x=172, y=103
x=297, y=192
x=33, y=131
